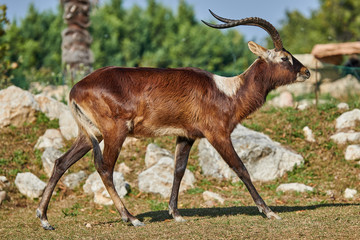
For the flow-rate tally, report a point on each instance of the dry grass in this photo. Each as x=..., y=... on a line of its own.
x=313, y=215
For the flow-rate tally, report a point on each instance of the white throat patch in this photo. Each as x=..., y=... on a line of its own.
x=228, y=85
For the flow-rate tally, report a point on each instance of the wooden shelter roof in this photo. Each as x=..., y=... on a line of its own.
x=333, y=52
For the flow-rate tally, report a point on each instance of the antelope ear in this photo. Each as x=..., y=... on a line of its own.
x=257, y=49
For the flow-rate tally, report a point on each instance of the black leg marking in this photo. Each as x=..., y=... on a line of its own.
x=80, y=147
x=183, y=147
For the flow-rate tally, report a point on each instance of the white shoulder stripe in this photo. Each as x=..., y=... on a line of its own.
x=228, y=85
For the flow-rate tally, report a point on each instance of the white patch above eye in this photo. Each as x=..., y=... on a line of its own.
x=277, y=57
x=228, y=85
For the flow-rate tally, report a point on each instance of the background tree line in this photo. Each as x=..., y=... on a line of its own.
x=334, y=21
x=152, y=36
x=157, y=36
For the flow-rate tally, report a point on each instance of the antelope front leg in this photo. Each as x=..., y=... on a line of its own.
x=183, y=146
x=226, y=150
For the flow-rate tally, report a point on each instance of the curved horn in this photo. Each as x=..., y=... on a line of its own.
x=225, y=20
x=252, y=21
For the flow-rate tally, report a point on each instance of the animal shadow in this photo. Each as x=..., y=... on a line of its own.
x=159, y=216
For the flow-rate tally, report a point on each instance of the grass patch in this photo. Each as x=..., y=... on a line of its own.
x=71, y=212
x=195, y=190
x=42, y=119
x=156, y=205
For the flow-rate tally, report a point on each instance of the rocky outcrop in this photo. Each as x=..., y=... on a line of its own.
x=4, y=182
x=210, y=196
x=309, y=136
x=347, y=120
x=285, y=99
x=2, y=196
x=50, y=107
x=350, y=193
x=294, y=187
x=68, y=127
x=154, y=153
x=95, y=186
x=52, y=138
x=344, y=86
x=29, y=185
x=158, y=178
x=345, y=125
x=264, y=158
x=352, y=152
x=48, y=159
x=346, y=137
x=73, y=180
x=17, y=107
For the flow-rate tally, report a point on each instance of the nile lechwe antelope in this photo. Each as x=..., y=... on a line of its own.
x=115, y=102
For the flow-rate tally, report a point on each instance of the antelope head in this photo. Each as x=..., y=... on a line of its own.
x=283, y=66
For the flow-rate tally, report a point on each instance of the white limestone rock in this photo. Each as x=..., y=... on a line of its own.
x=59, y=93
x=4, y=183
x=154, y=153
x=48, y=159
x=350, y=193
x=159, y=178
x=68, y=126
x=73, y=180
x=209, y=196
x=95, y=186
x=51, y=138
x=306, y=103
x=124, y=169
x=352, y=152
x=285, y=99
x=16, y=107
x=303, y=105
x=309, y=136
x=341, y=87
x=29, y=185
x=346, y=137
x=2, y=196
x=264, y=159
x=343, y=106
x=129, y=141
x=297, y=187
x=347, y=120
x=50, y=107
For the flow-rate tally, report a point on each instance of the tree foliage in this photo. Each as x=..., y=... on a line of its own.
x=334, y=21
x=5, y=65
x=35, y=46
x=156, y=36
x=153, y=36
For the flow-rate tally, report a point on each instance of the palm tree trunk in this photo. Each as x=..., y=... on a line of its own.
x=77, y=56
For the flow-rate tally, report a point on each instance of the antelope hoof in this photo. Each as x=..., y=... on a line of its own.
x=44, y=222
x=47, y=226
x=175, y=214
x=272, y=215
x=179, y=219
x=137, y=223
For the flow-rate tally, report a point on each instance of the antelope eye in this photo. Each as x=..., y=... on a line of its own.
x=285, y=59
